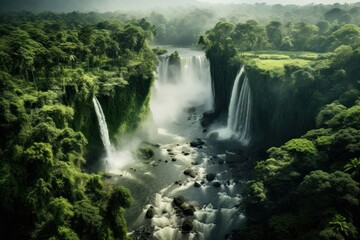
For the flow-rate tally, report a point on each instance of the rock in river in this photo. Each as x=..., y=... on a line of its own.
x=210, y=176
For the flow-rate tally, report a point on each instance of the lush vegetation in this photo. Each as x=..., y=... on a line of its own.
x=50, y=69
x=307, y=188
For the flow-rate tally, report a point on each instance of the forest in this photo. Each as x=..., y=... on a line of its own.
x=300, y=174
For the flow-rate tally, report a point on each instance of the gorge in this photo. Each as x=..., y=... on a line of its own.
x=243, y=129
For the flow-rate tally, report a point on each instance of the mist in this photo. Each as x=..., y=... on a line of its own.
x=134, y=5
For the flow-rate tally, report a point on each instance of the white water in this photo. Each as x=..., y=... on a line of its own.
x=239, y=114
x=179, y=87
x=104, y=132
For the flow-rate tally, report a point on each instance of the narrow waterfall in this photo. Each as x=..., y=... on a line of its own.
x=104, y=132
x=239, y=116
x=181, y=85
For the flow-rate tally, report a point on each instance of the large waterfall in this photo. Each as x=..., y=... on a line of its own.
x=239, y=113
x=181, y=85
x=104, y=132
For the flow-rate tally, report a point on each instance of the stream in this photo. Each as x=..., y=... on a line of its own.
x=179, y=98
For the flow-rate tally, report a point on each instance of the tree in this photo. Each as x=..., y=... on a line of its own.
x=274, y=34
x=348, y=34
x=328, y=112
x=353, y=168
x=301, y=33
x=339, y=228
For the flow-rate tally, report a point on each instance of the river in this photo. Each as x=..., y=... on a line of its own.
x=179, y=98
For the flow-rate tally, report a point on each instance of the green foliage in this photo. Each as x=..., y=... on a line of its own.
x=145, y=153
x=307, y=194
x=50, y=69
x=328, y=112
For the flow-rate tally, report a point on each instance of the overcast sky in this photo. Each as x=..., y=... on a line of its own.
x=113, y=5
x=302, y=2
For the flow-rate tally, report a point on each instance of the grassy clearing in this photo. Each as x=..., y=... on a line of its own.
x=276, y=60
x=277, y=66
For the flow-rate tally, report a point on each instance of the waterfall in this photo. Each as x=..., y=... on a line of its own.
x=239, y=116
x=104, y=132
x=239, y=113
x=181, y=85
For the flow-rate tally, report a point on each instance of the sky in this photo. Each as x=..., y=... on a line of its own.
x=113, y=5
x=298, y=2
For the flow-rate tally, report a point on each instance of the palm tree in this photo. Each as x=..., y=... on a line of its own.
x=339, y=224
x=353, y=168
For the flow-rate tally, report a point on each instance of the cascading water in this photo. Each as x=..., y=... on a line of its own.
x=239, y=118
x=181, y=93
x=181, y=85
x=104, y=132
x=239, y=114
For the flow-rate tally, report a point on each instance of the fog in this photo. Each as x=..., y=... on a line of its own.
x=133, y=5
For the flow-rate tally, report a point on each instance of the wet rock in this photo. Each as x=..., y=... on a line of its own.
x=187, y=225
x=197, y=184
x=150, y=212
x=204, y=130
x=200, y=147
x=189, y=210
x=178, y=201
x=190, y=172
x=221, y=161
x=173, y=159
x=192, y=110
x=166, y=161
x=187, y=171
x=169, y=150
x=216, y=184
x=186, y=154
x=197, y=143
x=195, y=163
x=210, y=176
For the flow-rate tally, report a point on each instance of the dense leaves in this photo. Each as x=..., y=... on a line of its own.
x=50, y=70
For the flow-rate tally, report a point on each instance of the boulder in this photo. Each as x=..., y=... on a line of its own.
x=150, y=212
x=190, y=172
x=189, y=210
x=216, y=184
x=197, y=143
x=210, y=176
x=197, y=184
x=187, y=225
x=178, y=201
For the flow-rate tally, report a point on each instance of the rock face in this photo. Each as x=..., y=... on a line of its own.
x=210, y=176
x=197, y=184
x=197, y=143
